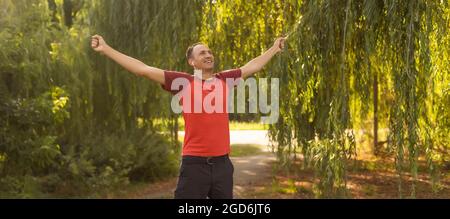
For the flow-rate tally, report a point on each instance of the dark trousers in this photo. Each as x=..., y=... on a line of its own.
x=205, y=177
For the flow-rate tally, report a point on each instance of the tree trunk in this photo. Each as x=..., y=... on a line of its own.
x=68, y=10
x=375, y=112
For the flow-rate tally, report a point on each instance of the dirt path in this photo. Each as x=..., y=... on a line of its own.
x=251, y=170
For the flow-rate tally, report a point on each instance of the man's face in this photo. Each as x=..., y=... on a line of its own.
x=202, y=58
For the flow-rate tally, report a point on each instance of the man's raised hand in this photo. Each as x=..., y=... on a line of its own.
x=279, y=44
x=98, y=43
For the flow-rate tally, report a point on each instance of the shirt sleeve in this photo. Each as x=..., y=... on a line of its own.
x=234, y=74
x=171, y=76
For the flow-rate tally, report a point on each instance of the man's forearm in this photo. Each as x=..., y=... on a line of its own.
x=263, y=59
x=131, y=64
x=259, y=62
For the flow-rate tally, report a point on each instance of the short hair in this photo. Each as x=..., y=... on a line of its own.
x=190, y=50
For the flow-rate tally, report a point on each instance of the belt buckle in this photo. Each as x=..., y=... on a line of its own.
x=208, y=160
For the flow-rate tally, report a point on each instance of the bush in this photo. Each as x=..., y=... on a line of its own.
x=65, y=126
x=34, y=162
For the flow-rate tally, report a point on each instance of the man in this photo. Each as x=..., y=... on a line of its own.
x=206, y=170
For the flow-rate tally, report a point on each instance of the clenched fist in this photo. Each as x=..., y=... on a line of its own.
x=98, y=43
x=279, y=44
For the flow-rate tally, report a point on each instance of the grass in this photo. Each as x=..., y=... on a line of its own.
x=234, y=125
x=279, y=188
x=125, y=192
x=287, y=187
x=242, y=150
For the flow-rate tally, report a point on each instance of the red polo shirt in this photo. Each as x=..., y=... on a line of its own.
x=204, y=104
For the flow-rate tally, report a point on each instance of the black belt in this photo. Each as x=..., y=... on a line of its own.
x=204, y=160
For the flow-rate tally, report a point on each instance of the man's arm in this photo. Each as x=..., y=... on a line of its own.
x=259, y=62
x=133, y=65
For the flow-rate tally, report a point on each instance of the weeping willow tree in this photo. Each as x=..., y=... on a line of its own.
x=336, y=51
x=410, y=59
x=316, y=116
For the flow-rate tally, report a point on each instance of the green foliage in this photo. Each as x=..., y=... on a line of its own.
x=69, y=119
x=27, y=143
x=334, y=53
x=242, y=150
x=74, y=123
x=329, y=158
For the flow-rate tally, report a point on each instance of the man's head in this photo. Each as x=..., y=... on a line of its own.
x=200, y=56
